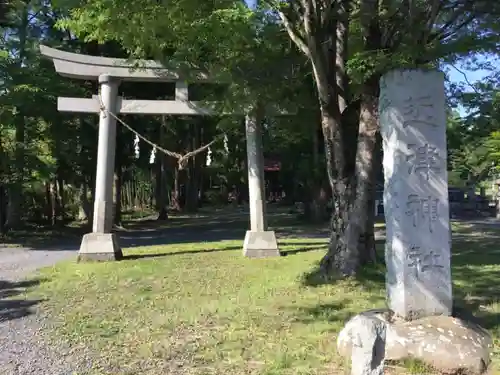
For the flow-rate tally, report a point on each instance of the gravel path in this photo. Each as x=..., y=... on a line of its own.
x=22, y=347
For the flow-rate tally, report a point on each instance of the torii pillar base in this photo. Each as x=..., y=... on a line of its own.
x=260, y=244
x=99, y=247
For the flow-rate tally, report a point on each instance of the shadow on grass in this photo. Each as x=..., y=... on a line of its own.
x=329, y=312
x=40, y=236
x=217, y=225
x=303, y=247
x=475, y=273
x=371, y=275
x=11, y=309
x=184, y=252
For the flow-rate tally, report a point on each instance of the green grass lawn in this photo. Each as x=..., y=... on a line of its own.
x=204, y=309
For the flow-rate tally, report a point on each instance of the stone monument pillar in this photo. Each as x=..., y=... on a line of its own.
x=101, y=244
x=413, y=127
x=259, y=242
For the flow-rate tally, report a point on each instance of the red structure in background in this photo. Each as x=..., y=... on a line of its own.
x=274, y=190
x=272, y=165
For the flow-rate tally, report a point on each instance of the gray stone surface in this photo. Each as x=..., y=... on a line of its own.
x=448, y=344
x=103, y=203
x=260, y=244
x=99, y=247
x=413, y=127
x=368, y=345
x=255, y=157
x=79, y=66
x=135, y=106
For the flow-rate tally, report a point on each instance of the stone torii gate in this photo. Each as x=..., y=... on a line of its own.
x=102, y=244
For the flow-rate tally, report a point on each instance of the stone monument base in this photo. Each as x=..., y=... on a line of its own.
x=260, y=244
x=99, y=247
x=447, y=344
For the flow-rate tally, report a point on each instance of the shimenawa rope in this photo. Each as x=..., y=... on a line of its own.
x=182, y=160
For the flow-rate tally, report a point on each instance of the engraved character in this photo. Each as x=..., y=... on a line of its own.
x=423, y=261
x=431, y=259
x=422, y=209
x=430, y=210
x=414, y=254
x=413, y=206
x=423, y=159
x=414, y=110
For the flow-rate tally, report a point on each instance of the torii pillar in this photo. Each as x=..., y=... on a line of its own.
x=260, y=242
x=102, y=244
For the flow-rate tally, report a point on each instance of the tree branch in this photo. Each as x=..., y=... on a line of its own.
x=294, y=34
x=308, y=18
x=330, y=9
x=459, y=11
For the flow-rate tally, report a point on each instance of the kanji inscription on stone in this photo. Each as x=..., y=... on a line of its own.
x=418, y=110
x=412, y=111
x=423, y=160
x=422, y=210
x=423, y=260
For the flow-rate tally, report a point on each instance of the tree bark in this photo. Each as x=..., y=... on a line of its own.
x=369, y=252
x=323, y=38
x=339, y=259
x=329, y=74
x=352, y=243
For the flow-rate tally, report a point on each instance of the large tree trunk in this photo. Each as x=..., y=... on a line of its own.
x=351, y=239
x=330, y=77
x=339, y=258
x=361, y=217
x=369, y=116
x=323, y=38
x=353, y=243
x=368, y=253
